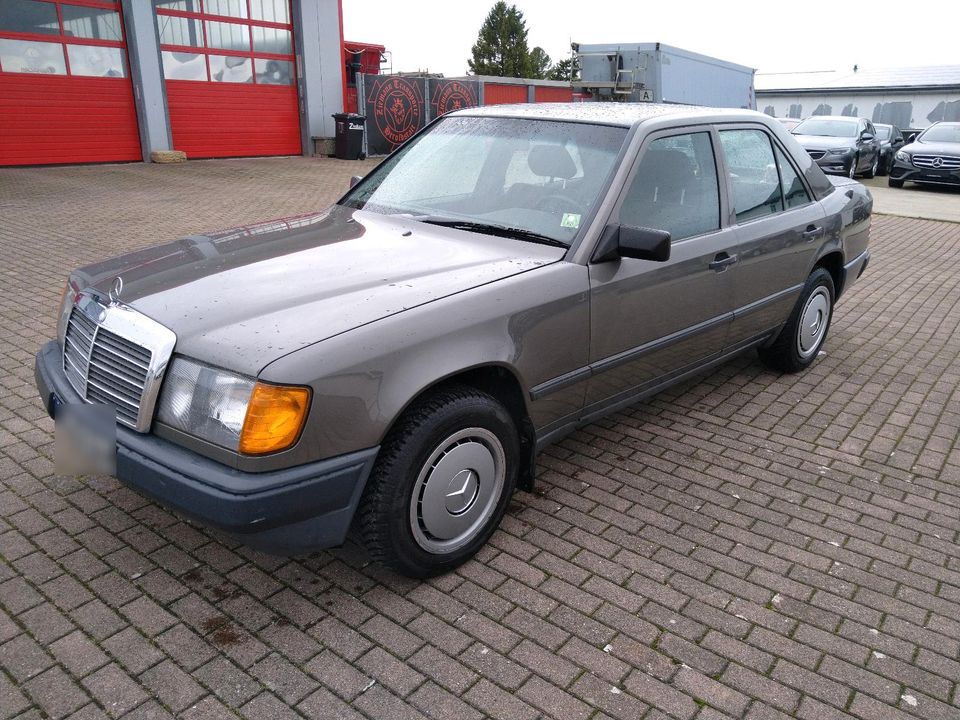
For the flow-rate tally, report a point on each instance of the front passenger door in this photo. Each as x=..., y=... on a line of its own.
x=651, y=321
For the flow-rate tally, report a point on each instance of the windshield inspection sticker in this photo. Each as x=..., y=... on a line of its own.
x=570, y=220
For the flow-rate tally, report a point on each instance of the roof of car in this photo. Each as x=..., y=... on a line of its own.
x=605, y=113
x=835, y=117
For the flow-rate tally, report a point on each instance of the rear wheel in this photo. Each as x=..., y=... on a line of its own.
x=874, y=167
x=886, y=162
x=800, y=340
x=442, y=482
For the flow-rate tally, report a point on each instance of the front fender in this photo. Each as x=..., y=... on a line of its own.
x=534, y=325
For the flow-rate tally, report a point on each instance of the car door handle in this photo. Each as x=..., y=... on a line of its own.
x=722, y=261
x=812, y=232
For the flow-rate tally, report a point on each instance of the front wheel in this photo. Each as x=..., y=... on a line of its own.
x=441, y=483
x=894, y=183
x=800, y=340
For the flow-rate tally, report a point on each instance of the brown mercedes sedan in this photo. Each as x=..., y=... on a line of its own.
x=396, y=361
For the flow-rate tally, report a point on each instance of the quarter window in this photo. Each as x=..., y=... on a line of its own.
x=794, y=193
x=754, y=178
x=675, y=187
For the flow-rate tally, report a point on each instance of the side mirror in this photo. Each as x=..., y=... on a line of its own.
x=866, y=136
x=355, y=179
x=626, y=241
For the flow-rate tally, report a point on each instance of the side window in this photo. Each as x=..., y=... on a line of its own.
x=794, y=193
x=754, y=179
x=675, y=188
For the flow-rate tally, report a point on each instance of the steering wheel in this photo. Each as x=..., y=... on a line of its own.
x=558, y=203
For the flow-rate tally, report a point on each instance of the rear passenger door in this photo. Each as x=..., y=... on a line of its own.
x=651, y=321
x=778, y=225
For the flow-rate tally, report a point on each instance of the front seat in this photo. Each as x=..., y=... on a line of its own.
x=551, y=161
x=664, y=194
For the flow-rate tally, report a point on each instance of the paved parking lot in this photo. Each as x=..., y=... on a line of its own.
x=745, y=545
x=931, y=202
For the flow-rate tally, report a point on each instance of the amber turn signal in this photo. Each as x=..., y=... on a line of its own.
x=274, y=419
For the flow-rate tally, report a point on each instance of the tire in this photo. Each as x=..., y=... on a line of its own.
x=872, y=172
x=894, y=183
x=852, y=174
x=800, y=340
x=885, y=164
x=457, y=439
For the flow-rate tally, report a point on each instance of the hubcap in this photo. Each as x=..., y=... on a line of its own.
x=457, y=490
x=813, y=322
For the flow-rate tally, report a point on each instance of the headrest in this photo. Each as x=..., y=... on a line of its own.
x=551, y=161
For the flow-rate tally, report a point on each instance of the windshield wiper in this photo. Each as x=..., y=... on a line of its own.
x=491, y=229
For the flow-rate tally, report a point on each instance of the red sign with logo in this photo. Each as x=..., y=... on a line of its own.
x=395, y=111
x=449, y=95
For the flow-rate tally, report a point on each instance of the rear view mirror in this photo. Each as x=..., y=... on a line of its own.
x=639, y=243
x=355, y=179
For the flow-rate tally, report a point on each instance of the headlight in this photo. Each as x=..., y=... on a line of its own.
x=840, y=151
x=902, y=156
x=231, y=410
x=66, y=306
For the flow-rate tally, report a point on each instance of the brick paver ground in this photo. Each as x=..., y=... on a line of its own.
x=745, y=545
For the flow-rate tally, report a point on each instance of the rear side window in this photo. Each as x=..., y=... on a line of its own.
x=794, y=193
x=754, y=179
x=675, y=188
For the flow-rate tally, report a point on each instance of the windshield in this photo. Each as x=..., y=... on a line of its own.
x=540, y=177
x=883, y=131
x=827, y=127
x=942, y=133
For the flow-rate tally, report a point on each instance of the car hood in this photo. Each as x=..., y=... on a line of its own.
x=245, y=297
x=824, y=142
x=933, y=148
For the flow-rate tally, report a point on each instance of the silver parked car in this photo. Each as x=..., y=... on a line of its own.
x=396, y=362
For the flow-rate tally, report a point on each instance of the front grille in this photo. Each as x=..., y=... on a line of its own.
x=104, y=367
x=937, y=162
x=816, y=154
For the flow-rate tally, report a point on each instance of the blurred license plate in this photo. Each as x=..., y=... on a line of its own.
x=86, y=439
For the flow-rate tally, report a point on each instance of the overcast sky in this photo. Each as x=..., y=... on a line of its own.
x=771, y=36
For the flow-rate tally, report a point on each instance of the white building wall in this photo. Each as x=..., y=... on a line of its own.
x=906, y=110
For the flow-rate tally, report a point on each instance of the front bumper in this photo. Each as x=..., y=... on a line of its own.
x=907, y=172
x=836, y=164
x=294, y=510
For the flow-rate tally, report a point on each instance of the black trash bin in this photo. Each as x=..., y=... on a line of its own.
x=349, y=136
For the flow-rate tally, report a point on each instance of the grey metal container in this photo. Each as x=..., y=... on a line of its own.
x=654, y=72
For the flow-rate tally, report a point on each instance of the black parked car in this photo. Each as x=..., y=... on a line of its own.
x=933, y=158
x=891, y=140
x=841, y=145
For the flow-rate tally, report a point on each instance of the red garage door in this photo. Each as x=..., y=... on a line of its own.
x=229, y=71
x=65, y=92
x=552, y=94
x=499, y=94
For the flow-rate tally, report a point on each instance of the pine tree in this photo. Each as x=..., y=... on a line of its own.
x=565, y=69
x=501, y=47
x=539, y=63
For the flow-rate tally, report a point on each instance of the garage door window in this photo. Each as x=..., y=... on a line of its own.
x=82, y=38
x=233, y=41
